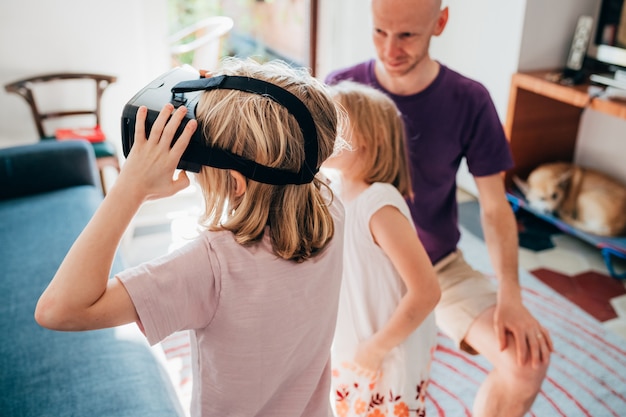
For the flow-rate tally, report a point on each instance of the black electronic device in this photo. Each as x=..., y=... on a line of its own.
x=183, y=86
x=573, y=72
x=607, y=48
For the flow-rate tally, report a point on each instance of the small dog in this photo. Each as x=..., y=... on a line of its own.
x=584, y=198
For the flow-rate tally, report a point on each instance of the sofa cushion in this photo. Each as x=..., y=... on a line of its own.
x=49, y=373
x=46, y=166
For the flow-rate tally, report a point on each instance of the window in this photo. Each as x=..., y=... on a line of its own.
x=262, y=29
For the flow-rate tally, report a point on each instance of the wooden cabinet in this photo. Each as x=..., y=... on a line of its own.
x=542, y=126
x=543, y=118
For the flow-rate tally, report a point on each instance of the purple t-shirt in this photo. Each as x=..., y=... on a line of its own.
x=453, y=118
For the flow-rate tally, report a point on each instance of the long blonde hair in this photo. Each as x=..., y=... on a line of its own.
x=376, y=123
x=257, y=128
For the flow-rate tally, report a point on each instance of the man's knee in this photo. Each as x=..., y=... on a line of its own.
x=525, y=374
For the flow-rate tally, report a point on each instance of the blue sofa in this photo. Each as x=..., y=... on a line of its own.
x=48, y=192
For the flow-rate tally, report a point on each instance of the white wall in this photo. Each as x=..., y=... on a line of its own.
x=344, y=34
x=548, y=31
x=601, y=144
x=126, y=38
x=482, y=40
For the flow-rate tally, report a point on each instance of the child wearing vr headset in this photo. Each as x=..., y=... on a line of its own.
x=259, y=287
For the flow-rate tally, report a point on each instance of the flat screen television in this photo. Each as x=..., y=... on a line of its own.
x=608, y=43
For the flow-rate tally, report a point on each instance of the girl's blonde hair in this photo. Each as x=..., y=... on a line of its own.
x=377, y=125
x=256, y=127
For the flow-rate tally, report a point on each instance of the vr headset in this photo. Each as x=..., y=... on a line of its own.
x=181, y=86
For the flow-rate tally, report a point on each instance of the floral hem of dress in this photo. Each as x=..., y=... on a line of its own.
x=358, y=394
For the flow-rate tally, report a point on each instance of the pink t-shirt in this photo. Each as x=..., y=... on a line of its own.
x=261, y=326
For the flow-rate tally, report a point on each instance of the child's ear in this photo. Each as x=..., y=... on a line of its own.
x=241, y=183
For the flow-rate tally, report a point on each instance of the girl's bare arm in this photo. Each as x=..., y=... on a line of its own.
x=394, y=233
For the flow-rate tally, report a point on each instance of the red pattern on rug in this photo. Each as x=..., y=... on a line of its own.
x=591, y=291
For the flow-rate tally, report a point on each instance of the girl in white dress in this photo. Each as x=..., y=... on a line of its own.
x=385, y=332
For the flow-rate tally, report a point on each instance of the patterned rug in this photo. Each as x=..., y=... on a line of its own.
x=587, y=376
x=590, y=290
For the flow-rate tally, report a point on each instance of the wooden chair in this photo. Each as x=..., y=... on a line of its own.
x=50, y=111
x=202, y=40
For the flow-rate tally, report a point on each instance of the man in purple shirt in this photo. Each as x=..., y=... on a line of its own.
x=450, y=117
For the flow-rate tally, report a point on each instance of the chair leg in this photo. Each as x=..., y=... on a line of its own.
x=103, y=163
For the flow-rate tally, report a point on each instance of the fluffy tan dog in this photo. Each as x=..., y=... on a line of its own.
x=584, y=198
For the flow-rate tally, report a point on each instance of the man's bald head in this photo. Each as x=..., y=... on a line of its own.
x=423, y=6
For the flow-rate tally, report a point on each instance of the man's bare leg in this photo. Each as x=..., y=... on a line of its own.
x=509, y=389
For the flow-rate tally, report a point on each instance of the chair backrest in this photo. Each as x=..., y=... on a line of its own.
x=27, y=88
x=203, y=40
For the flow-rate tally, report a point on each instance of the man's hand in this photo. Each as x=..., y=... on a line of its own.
x=532, y=341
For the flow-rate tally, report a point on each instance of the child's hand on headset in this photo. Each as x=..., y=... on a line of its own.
x=151, y=164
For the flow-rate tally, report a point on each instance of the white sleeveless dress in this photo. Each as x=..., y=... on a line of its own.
x=371, y=290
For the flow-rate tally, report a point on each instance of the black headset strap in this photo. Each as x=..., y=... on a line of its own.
x=220, y=158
